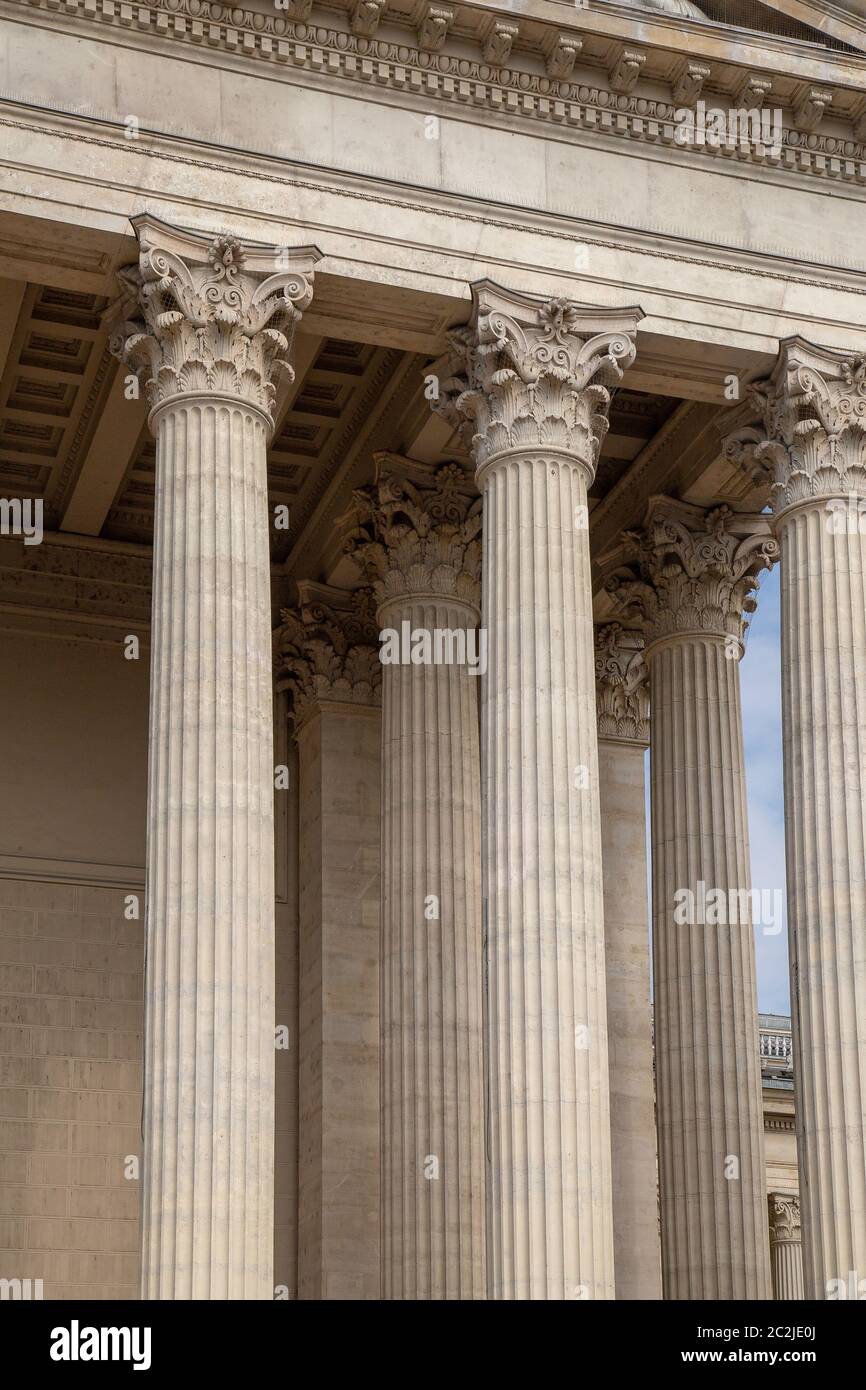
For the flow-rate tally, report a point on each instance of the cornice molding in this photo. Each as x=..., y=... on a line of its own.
x=516, y=90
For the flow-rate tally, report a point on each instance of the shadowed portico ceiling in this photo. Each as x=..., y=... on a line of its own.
x=69, y=436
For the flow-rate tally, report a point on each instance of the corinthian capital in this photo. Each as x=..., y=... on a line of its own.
x=621, y=684
x=326, y=649
x=416, y=532
x=526, y=374
x=808, y=439
x=784, y=1210
x=210, y=315
x=692, y=570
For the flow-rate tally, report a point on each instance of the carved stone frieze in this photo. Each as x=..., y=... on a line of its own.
x=286, y=38
x=210, y=315
x=621, y=684
x=416, y=532
x=326, y=649
x=527, y=374
x=808, y=440
x=692, y=570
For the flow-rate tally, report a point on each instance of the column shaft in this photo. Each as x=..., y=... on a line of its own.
x=432, y=1087
x=824, y=739
x=550, y=1183
x=711, y=1168
x=209, y=1047
x=637, y=1257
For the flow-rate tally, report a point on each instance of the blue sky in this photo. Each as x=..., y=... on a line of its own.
x=762, y=728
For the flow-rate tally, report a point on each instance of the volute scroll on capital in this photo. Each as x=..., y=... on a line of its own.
x=621, y=684
x=528, y=373
x=416, y=532
x=326, y=649
x=210, y=315
x=692, y=570
x=807, y=438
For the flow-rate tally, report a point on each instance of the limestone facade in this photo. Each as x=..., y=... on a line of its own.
x=393, y=439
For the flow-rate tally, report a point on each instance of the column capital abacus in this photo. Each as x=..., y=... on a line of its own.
x=528, y=374
x=784, y=1212
x=415, y=533
x=326, y=649
x=692, y=570
x=807, y=441
x=621, y=684
x=204, y=316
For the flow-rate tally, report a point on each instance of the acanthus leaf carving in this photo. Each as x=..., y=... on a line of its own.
x=621, y=684
x=416, y=533
x=534, y=374
x=692, y=570
x=326, y=649
x=808, y=438
x=210, y=315
x=784, y=1210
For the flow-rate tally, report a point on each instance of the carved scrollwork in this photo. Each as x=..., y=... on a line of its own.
x=808, y=438
x=201, y=316
x=621, y=684
x=417, y=532
x=328, y=651
x=692, y=570
x=528, y=374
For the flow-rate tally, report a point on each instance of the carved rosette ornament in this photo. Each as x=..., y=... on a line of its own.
x=621, y=684
x=528, y=374
x=326, y=649
x=694, y=571
x=210, y=316
x=416, y=533
x=808, y=441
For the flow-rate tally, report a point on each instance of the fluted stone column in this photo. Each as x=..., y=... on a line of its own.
x=786, y=1249
x=697, y=570
x=207, y=322
x=622, y=694
x=417, y=538
x=809, y=448
x=327, y=659
x=530, y=385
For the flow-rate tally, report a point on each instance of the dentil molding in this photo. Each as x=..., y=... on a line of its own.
x=499, y=80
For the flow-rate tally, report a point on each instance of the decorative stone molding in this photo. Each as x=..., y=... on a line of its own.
x=784, y=1211
x=621, y=684
x=416, y=532
x=811, y=107
x=497, y=44
x=326, y=649
x=516, y=90
x=434, y=27
x=695, y=570
x=210, y=315
x=689, y=84
x=528, y=373
x=809, y=440
x=682, y=8
x=752, y=91
x=366, y=16
x=562, y=56
x=625, y=72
